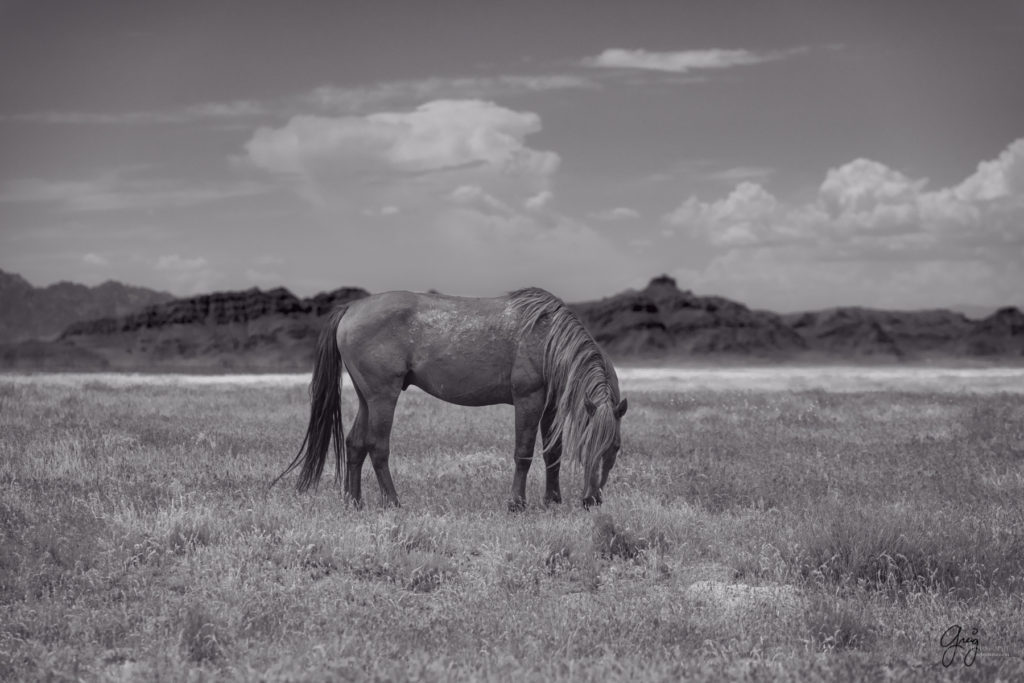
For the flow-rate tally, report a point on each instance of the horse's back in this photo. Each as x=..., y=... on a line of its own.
x=456, y=348
x=428, y=315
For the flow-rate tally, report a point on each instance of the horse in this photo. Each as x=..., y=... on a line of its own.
x=526, y=348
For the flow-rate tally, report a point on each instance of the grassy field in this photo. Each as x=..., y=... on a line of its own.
x=745, y=535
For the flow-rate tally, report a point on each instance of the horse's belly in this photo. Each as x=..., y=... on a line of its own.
x=467, y=385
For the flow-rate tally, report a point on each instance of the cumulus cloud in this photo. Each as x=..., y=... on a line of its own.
x=472, y=193
x=864, y=201
x=437, y=136
x=996, y=179
x=408, y=158
x=862, y=185
x=865, y=218
x=742, y=218
x=678, y=62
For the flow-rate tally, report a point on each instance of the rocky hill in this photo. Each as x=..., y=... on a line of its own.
x=43, y=312
x=1000, y=334
x=274, y=330
x=869, y=332
x=661, y=320
x=247, y=330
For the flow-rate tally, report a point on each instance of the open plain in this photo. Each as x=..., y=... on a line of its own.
x=760, y=524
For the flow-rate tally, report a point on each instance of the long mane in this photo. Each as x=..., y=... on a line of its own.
x=574, y=369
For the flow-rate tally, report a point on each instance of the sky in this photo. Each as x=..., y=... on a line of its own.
x=789, y=154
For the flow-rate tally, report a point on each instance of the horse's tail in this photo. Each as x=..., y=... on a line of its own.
x=324, y=410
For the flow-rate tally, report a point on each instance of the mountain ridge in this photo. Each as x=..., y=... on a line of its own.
x=257, y=330
x=30, y=312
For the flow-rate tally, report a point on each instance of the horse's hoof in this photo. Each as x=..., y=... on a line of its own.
x=516, y=505
x=553, y=499
x=591, y=501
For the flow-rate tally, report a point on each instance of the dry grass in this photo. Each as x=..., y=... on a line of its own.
x=138, y=541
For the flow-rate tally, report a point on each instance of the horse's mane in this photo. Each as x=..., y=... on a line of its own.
x=574, y=370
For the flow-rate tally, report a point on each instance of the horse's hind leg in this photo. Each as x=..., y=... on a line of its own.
x=356, y=450
x=381, y=415
x=552, y=460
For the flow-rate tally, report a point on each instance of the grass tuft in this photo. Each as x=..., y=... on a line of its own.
x=202, y=638
x=901, y=551
x=317, y=559
x=428, y=572
x=610, y=541
x=834, y=624
x=187, y=535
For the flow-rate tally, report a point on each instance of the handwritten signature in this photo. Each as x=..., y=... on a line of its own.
x=953, y=641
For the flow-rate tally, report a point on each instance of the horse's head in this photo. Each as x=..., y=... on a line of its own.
x=603, y=445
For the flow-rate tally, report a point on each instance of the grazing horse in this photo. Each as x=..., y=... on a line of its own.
x=526, y=349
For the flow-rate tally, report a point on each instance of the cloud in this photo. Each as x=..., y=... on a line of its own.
x=382, y=211
x=95, y=260
x=864, y=205
x=681, y=61
x=803, y=278
x=437, y=136
x=408, y=158
x=740, y=173
x=871, y=231
x=121, y=189
x=549, y=250
x=539, y=200
x=863, y=185
x=192, y=275
x=174, y=262
x=202, y=112
x=332, y=100
x=743, y=218
x=996, y=179
x=619, y=213
x=475, y=198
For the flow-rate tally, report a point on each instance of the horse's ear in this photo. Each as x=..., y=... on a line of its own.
x=589, y=405
x=620, y=409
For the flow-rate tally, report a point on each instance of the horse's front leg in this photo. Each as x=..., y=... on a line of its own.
x=528, y=412
x=552, y=459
